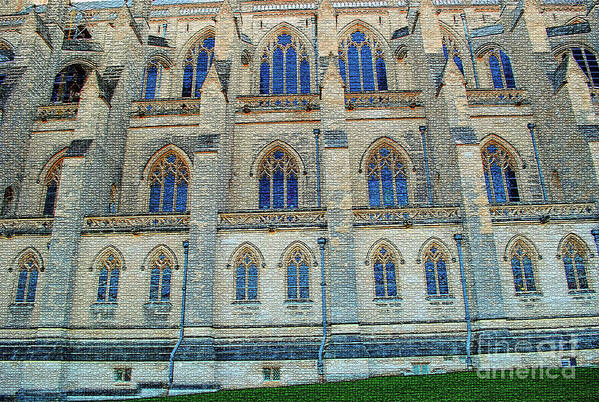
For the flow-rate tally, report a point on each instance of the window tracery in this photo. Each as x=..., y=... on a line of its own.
x=384, y=264
x=285, y=66
x=500, y=174
x=523, y=267
x=197, y=63
x=246, y=275
x=435, y=269
x=152, y=80
x=168, y=181
x=298, y=275
x=29, y=267
x=450, y=49
x=109, y=266
x=278, y=180
x=501, y=69
x=68, y=84
x=575, y=261
x=587, y=61
x=364, y=59
x=161, y=266
x=52, y=183
x=387, y=177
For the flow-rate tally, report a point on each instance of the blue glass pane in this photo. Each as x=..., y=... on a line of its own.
x=113, y=288
x=154, y=197
x=507, y=70
x=187, y=78
x=209, y=43
x=33, y=285
x=445, y=52
x=252, y=282
x=277, y=72
x=374, y=191
x=517, y=271
x=20, y=297
x=570, y=277
x=593, y=67
x=402, y=189
x=264, y=78
x=278, y=189
x=497, y=178
x=391, y=285
x=182, y=197
x=387, y=181
x=165, y=294
x=305, y=77
x=431, y=284
x=240, y=283
x=353, y=62
x=169, y=193
x=381, y=74
x=284, y=40
x=154, y=283
x=528, y=274
x=292, y=191
x=50, y=199
x=379, y=280
x=580, y=270
x=458, y=62
x=578, y=56
x=442, y=277
x=201, y=71
x=291, y=71
x=367, y=70
x=304, y=281
x=102, y=281
x=488, y=185
x=292, y=281
x=495, y=72
x=512, y=185
x=358, y=37
x=264, y=188
x=151, y=78
x=342, y=68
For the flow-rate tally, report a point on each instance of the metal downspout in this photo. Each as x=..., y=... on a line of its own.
x=428, y=176
x=316, y=138
x=458, y=239
x=470, y=48
x=531, y=127
x=321, y=242
x=171, y=368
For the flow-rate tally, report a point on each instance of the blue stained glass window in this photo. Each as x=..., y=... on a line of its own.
x=169, y=171
x=278, y=183
x=291, y=71
x=305, y=76
x=68, y=84
x=507, y=70
x=342, y=68
x=570, y=275
x=498, y=188
x=379, y=281
x=442, y=277
x=240, y=283
x=458, y=62
x=292, y=191
x=165, y=293
x=402, y=189
x=264, y=197
x=512, y=186
x=202, y=55
x=264, y=77
x=282, y=56
x=304, y=281
x=181, y=197
x=151, y=79
x=431, y=282
x=21, y=285
x=154, y=284
x=114, y=285
x=277, y=72
x=498, y=164
x=391, y=286
x=387, y=180
x=374, y=191
x=353, y=62
x=381, y=74
x=450, y=49
x=435, y=269
x=252, y=282
x=32, y=286
x=517, y=271
x=51, y=191
x=581, y=272
x=278, y=189
x=102, y=282
x=384, y=265
x=284, y=40
x=169, y=193
x=528, y=273
x=201, y=71
x=495, y=72
x=445, y=52
x=187, y=79
x=154, y=197
x=593, y=67
x=488, y=185
x=291, y=281
x=367, y=71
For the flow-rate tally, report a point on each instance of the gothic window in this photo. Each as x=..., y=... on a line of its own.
x=501, y=70
x=387, y=177
x=587, y=61
x=362, y=62
x=152, y=79
x=435, y=269
x=500, y=174
x=522, y=267
x=278, y=180
x=109, y=266
x=575, y=261
x=450, y=49
x=197, y=63
x=298, y=275
x=384, y=265
x=7, y=201
x=169, y=181
x=246, y=275
x=6, y=53
x=52, y=183
x=161, y=266
x=29, y=267
x=285, y=67
x=68, y=84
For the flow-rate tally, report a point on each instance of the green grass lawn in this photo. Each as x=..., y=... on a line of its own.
x=453, y=386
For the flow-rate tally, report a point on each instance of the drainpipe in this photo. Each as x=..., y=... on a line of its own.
x=470, y=48
x=316, y=138
x=428, y=176
x=314, y=21
x=171, y=368
x=531, y=127
x=458, y=239
x=321, y=242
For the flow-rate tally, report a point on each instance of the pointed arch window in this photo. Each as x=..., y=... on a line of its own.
x=6, y=53
x=161, y=267
x=450, y=49
x=169, y=180
x=52, y=183
x=501, y=69
x=29, y=268
x=435, y=269
x=587, y=61
x=68, y=84
x=278, y=180
x=298, y=275
x=384, y=265
x=500, y=174
x=387, y=177
x=197, y=63
x=362, y=63
x=575, y=261
x=521, y=257
x=152, y=80
x=110, y=266
x=246, y=275
x=285, y=66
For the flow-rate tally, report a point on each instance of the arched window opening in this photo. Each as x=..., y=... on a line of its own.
x=362, y=63
x=450, y=49
x=52, y=183
x=76, y=26
x=152, y=80
x=197, y=63
x=575, y=261
x=387, y=177
x=161, y=267
x=435, y=269
x=500, y=174
x=109, y=266
x=587, y=61
x=246, y=276
x=501, y=70
x=29, y=267
x=7, y=201
x=169, y=181
x=278, y=180
x=521, y=257
x=298, y=275
x=285, y=67
x=384, y=265
x=68, y=84
x=6, y=53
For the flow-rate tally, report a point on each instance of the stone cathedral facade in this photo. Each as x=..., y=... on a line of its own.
x=201, y=194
